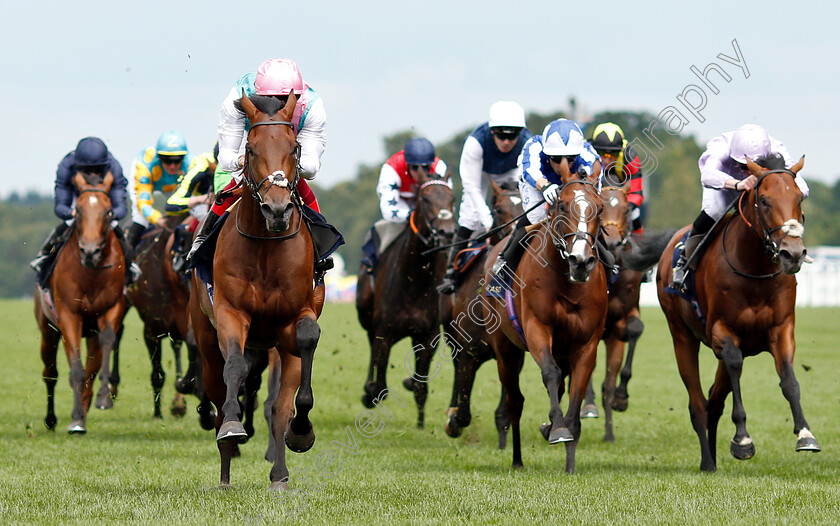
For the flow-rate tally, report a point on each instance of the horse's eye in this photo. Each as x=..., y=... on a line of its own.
x=763, y=201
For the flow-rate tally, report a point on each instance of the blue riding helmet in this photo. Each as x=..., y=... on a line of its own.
x=91, y=151
x=419, y=151
x=171, y=143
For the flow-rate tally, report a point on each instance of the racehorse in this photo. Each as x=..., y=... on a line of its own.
x=624, y=324
x=263, y=292
x=746, y=290
x=471, y=346
x=560, y=295
x=86, y=288
x=402, y=300
x=161, y=297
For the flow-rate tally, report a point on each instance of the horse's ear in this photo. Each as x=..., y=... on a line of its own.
x=108, y=180
x=248, y=107
x=289, y=108
x=596, y=173
x=798, y=166
x=565, y=171
x=497, y=190
x=754, y=168
x=79, y=181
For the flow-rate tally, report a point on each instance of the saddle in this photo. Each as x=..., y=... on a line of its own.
x=49, y=265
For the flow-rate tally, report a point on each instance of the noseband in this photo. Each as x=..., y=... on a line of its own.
x=443, y=215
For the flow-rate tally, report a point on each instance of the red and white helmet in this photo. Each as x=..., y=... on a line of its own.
x=750, y=141
x=278, y=76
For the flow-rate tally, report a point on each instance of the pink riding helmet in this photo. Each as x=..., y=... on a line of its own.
x=278, y=76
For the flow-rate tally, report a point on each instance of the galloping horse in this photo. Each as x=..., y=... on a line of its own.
x=161, y=297
x=623, y=319
x=746, y=290
x=472, y=346
x=403, y=301
x=86, y=288
x=560, y=296
x=262, y=291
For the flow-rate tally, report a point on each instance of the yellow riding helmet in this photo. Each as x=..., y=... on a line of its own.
x=608, y=136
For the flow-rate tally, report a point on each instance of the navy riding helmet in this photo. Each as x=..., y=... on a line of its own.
x=91, y=151
x=419, y=151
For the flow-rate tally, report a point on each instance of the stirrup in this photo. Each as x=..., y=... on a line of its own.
x=448, y=285
x=195, y=246
x=678, y=279
x=135, y=271
x=37, y=262
x=499, y=265
x=324, y=264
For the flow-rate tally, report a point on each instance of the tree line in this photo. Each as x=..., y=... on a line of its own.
x=672, y=198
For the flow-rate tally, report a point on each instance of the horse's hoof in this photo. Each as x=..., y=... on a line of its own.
x=451, y=428
x=77, y=427
x=50, y=421
x=560, y=434
x=184, y=386
x=619, y=404
x=545, y=429
x=278, y=486
x=178, y=410
x=742, y=451
x=409, y=383
x=367, y=401
x=231, y=431
x=112, y=388
x=300, y=443
x=808, y=444
x=589, y=411
x=104, y=402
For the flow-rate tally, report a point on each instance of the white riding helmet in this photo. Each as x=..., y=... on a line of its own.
x=750, y=141
x=562, y=137
x=508, y=114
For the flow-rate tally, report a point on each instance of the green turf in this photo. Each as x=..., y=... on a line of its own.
x=131, y=468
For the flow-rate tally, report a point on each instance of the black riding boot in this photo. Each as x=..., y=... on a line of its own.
x=699, y=229
x=606, y=257
x=134, y=235
x=48, y=248
x=450, y=279
x=203, y=231
x=512, y=253
x=132, y=269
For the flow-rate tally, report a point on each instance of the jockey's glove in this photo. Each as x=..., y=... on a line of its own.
x=550, y=193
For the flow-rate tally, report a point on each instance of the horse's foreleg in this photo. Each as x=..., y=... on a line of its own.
x=71, y=329
x=589, y=409
x=742, y=446
x=158, y=376
x=107, y=339
x=539, y=344
x=380, y=350
x=114, y=381
x=783, y=355
x=93, y=366
x=232, y=328
x=458, y=415
x=580, y=375
x=615, y=354
x=509, y=361
x=633, y=330
x=49, y=350
x=301, y=435
x=288, y=373
x=424, y=350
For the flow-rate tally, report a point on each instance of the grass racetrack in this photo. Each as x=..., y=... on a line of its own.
x=132, y=468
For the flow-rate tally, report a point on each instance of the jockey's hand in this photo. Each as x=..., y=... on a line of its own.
x=550, y=193
x=748, y=183
x=242, y=161
x=196, y=200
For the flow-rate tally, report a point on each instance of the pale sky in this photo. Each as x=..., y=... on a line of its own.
x=126, y=71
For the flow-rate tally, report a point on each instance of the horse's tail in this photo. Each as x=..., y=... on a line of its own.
x=646, y=252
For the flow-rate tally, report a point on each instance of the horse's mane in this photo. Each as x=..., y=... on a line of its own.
x=771, y=161
x=93, y=178
x=268, y=104
x=509, y=185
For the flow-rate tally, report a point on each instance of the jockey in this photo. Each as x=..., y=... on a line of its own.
x=620, y=163
x=90, y=156
x=490, y=153
x=277, y=78
x=724, y=173
x=539, y=179
x=155, y=168
x=397, y=188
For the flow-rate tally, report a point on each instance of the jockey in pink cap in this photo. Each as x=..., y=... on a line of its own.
x=277, y=77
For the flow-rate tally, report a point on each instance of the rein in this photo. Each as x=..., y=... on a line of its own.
x=578, y=235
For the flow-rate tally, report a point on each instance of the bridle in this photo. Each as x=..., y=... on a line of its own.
x=512, y=194
x=105, y=237
x=276, y=178
x=623, y=231
x=435, y=235
x=770, y=246
x=560, y=243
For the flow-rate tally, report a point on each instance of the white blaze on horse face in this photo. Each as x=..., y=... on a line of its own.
x=92, y=200
x=445, y=215
x=579, y=246
x=614, y=201
x=793, y=228
x=516, y=201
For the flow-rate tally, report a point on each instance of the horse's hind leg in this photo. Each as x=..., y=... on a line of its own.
x=289, y=371
x=178, y=407
x=634, y=330
x=742, y=446
x=509, y=361
x=686, y=349
x=380, y=350
x=274, y=374
x=715, y=404
x=615, y=352
x=258, y=361
x=418, y=383
x=49, y=349
x=589, y=409
x=158, y=376
x=300, y=435
x=114, y=380
x=458, y=414
x=783, y=355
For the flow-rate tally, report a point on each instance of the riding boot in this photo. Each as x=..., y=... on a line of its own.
x=699, y=229
x=203, y=231
x=512, y=253
x=134, y=272
x=48, y=248
x=134, y=234
x=450, y=279
x=606, y=257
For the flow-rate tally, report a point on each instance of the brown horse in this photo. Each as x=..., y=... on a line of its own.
x=161, y=297
x=402, y=300
x=624, y=324
x=458, y=314
x=746, y=289
x=86, y=288
x=262, y=291
x=560, y=295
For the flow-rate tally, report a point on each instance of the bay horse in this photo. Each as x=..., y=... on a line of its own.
x=459, y=312
x=263, y=293
x=560, y=295
x=87, y=300
x=402, y=300
x=624, y=324
x=161, y=297
x=746, y=289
